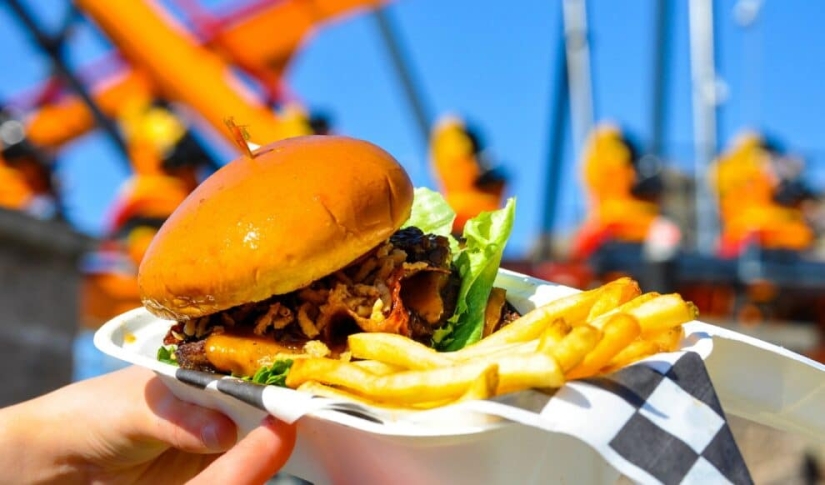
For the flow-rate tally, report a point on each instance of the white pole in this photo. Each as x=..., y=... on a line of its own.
x=703, y=81
x=578, y=68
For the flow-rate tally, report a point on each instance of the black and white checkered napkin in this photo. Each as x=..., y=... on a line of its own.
x=663, y=422
x=657, y=421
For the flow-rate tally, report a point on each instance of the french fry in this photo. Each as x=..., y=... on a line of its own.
x=399, y=388
x=572, y=308
x=397, y=350
x=377, y=367
x=638, y=301
x=668, y=340
x=319, y=389
x=518, y=348
x=553, y=334
x=618, y=333
x=405, y=353
x=637, y=350
x=573, y=347
x=519, y=372
x=484, y=386
x=612, y=296
x=662, y=313
x=625, y=307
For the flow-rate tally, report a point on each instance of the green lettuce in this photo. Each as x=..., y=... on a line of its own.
x=477, y=261
x=432, y=214
x=273, y=375
x=167, y=354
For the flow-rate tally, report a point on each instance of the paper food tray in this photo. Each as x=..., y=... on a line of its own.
x=786, y=391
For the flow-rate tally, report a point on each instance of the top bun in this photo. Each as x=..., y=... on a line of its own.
x=300, y=209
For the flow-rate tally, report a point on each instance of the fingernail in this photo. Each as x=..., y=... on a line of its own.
x=209, y=435
x=269, y=421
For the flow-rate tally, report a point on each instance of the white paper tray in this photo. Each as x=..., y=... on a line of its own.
x=753, y=379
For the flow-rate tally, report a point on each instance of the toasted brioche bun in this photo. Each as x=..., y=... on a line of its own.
x=300, y=209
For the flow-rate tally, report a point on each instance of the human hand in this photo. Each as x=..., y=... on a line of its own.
x=127, y=427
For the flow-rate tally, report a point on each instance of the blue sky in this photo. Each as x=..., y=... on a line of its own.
x=494, y=62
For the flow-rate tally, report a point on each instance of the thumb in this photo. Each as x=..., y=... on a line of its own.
x=255, y=459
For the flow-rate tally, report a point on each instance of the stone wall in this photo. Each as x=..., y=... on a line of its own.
x=39, y=285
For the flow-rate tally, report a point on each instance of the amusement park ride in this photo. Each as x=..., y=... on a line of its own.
x=744, y=250
x=161, y=68
x=760, y=272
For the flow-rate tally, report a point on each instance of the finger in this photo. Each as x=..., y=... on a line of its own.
x=185, y=426
x=255, y=459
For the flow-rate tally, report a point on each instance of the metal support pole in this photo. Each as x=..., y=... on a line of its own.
x=578, y=68
x=703, y=80
x=658, y=117
x=52, y=47
x=403, y=70
x=555, y=150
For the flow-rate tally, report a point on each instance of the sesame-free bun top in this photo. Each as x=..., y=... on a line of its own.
x=299, y=209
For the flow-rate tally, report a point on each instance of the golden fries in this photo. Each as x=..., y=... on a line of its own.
x=402, y=387
x=397, y=350
x=662, y=313
x=637, y=350
x=518, y=372
x=484, y=386
x=573, y=309
x=574, y=346
x=577, y=336
x=618, y=333
x=377, y=367
x=514, y=372
x=613, y=295
x=553, y=334
x=667, y=340
x=625, y=307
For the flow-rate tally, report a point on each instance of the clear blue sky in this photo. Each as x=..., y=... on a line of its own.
x=494, y=62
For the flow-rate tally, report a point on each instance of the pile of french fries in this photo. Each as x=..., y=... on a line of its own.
x=578, y=336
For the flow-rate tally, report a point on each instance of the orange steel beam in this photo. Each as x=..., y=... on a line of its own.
x=263, y=41
x=51, y=47
x=58, y=123
x=245, y=38
x=180, y=68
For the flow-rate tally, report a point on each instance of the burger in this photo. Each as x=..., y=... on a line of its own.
x=287, y=251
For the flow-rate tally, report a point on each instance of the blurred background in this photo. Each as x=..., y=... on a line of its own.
x=676, y=142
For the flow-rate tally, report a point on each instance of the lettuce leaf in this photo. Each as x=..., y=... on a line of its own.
x=273, y=375
x=432, y=214
x=477, y=261
x=167, y=354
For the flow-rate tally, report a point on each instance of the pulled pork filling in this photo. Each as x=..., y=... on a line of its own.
x=406, y=286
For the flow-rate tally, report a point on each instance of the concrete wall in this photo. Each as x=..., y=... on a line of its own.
x=39, y=284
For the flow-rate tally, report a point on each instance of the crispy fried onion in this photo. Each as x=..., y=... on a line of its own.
x=405, y=286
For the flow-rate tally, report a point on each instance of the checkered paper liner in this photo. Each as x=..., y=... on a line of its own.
x=666, y=423
x=658, y=421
